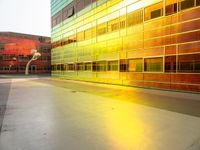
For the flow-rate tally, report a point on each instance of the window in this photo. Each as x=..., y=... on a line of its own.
x=87, y=2
x=88, y=66
x=94, y=66
x=70, y=12
x=21, y=68
x=56, y=44
x=71, y=67
x=135, y=17
x=113, y=25
x=123, y=65
x=153, y=64
x=20, y=57
x=63, y=67
x=72, y=39
x=8, y=68
x=44, y=58
x=79, y=5
x=80, y=67
x=53, y=67
x=135, y=65
x=88, y=34
x=59, y=67
x=65, y=41
x=185, y=4
x=94, y=32
x=100, y=2
x=99, y=66
x=102, y=29
x=46, y=68
x=44, y=48
x=198, y=2
x=64, y=13
x=38, y=67
x=58, y=18
x=53, y=21
x=113, y=65
x=1, y=57
x=189, y=63
x=154, y=11
x=41, y=39
x=122, y=23
x=170, y=64
x=14, y=68
x=171, y=7
x=1, y=46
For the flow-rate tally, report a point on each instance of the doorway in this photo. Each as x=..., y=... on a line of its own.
x=33, y=69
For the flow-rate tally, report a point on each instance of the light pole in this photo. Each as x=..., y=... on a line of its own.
x=36, y=55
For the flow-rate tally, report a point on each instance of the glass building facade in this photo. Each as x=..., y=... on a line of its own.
x=145, y=43
x=15, y=52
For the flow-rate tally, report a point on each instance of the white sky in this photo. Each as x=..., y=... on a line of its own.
x=25, y=16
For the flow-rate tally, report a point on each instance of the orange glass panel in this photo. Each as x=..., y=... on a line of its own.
x=189, y=47
x=185, y=78
x=190, y=14
x=80, y=36
x=157, y=77
x=188, y=26
x=188, y=37
x=170, y=50
x=134, y=76
x=154, y=51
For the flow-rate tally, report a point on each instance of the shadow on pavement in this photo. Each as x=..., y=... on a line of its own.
x=179, y=104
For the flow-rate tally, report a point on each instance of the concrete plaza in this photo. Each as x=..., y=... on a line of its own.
x=40, y=113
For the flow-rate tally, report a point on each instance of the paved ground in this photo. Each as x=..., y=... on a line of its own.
x=5, y=85
x=46, y=114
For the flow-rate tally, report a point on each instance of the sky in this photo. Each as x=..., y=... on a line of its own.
x=25, y=16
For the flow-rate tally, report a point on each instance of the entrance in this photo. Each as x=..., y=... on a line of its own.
x=33, y=69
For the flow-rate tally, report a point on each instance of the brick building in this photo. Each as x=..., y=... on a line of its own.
x=15, y=52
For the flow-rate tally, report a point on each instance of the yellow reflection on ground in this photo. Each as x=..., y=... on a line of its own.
x=125, y=128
